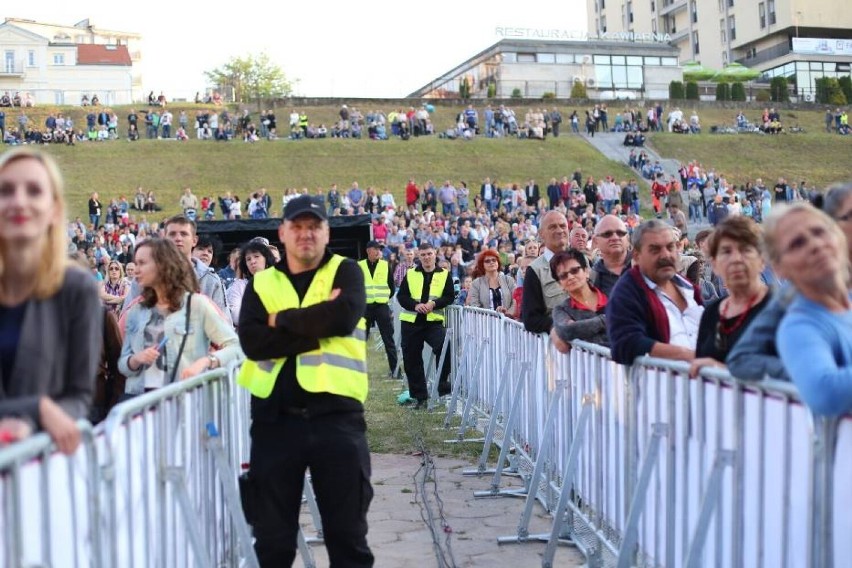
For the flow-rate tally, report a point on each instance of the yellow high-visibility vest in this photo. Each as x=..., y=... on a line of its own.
x=415, y=287
x=377, y=283
x=338, y=367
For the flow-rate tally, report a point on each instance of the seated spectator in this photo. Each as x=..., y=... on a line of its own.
x=581, y=316
x=736, y=248
x=652, y=310
x=808, y=249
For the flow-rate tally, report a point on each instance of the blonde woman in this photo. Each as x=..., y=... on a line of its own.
x=115, y=287
x=48, y=309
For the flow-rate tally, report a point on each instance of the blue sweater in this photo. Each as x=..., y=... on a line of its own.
x=816, y=348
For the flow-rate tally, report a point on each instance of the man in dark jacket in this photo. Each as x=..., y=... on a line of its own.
x=652, y=310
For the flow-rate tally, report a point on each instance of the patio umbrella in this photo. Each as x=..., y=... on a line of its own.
x=694, y=71
x=735, y=72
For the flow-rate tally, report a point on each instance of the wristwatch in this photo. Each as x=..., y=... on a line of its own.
x=214, y=362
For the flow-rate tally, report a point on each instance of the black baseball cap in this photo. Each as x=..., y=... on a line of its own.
x=304, y=205
x=374, y=244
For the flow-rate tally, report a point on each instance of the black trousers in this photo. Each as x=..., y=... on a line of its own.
x=334, y=447
x=414, y=336
x=381, y=315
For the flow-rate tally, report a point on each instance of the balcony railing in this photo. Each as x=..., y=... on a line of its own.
x=765, y=55
x=11, y=69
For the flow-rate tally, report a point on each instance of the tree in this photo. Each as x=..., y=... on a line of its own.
x=253, y=78
x=676, y=91
x=738, y=91
x=578, y=90
x=723, y=91
x=692, y=91
x=778, y=90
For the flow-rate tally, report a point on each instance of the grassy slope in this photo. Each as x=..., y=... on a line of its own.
x=210, y=168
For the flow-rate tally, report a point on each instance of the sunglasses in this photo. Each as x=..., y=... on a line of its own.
x=608, y=234
x=114, y=268
x=571, y=272
x=489, y=260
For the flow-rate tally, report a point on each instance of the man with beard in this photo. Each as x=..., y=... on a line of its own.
x=652, y=310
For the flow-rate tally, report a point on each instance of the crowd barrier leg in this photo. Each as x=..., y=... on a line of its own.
x=458, y=375
x=436, y=372
x=491, y=430
x=311, y=501
x=175, y=477
x=467, y=418
x=627, y=552
x=523, y=534
x=505, y=446
x=562, y=526
x=712, y=497
x=231, y=495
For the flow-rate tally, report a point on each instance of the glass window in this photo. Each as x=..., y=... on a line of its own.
x=603, y=75
x=602, y=59
x=619, y=76
x=526, y=58
x=31, y=59
x=802, y=65
x=771, y=4
x=670, y=61
x=652, y=61
x=732, y=24
x=59, y=59
x=618, y=60
x=547, y=58
x=634, y=60
x=510, y=57
x=761, y=12
x=634, y=77
x=565, y=58
x=816, y=66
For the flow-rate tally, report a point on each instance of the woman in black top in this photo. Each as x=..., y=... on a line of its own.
x=95, y=210
x=735, y=248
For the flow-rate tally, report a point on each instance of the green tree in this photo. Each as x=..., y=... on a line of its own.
x=252, y=77
x=464, y=89
x=738, y=91
x=846, y=86
x=676, y=91
x=723, y=91
x=692, y=91
x=578, y=90
x=778, y=90
x=516, y=93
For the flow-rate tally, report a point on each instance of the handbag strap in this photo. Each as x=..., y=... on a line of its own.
x=183, y=341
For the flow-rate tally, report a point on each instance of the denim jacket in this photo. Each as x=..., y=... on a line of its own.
x=206, y=326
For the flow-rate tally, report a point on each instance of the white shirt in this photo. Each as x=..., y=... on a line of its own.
x=683, y=326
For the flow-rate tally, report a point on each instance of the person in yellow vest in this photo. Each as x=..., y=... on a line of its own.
x=302, y=328
x=378, y=281
x=423, y=295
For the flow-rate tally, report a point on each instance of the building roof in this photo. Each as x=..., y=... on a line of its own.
x=98, y=54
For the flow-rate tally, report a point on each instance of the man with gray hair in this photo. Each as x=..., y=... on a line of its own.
x=541, y=291
x=653, y=310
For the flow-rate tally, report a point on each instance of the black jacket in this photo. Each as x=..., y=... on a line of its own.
x=298, y=331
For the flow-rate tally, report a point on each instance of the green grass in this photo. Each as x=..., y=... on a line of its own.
x=210, y=168
x=392, y=429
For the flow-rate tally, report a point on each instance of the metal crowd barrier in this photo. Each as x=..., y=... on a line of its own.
x=644, y=466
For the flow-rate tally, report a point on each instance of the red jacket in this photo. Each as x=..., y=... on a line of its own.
x=412, y=194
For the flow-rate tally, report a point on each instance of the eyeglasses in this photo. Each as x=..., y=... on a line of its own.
x=489, y=260
x=571, y=272
x=608, y=234
x=114, y=268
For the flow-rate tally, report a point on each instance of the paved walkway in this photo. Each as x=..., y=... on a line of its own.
x=400, y=538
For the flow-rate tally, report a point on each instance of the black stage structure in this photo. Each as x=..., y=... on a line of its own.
x=349, y=234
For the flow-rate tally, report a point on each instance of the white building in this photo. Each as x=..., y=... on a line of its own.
x=802, y=40
x=59, y=64
x=533, y=63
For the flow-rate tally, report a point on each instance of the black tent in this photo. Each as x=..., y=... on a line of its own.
x=349, y=234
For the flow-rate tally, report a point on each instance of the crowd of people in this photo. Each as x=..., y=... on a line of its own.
x=742, y=295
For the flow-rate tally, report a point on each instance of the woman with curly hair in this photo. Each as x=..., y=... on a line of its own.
x=169, y=332
x=255, y=256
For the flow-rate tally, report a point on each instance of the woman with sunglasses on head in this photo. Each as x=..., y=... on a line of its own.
x=115, y=287
x=50, y=329
x=581, y=315
x=736, y=248
x=491, y=289
x=168, y=334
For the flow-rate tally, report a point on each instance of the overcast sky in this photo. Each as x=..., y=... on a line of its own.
x=375, y=48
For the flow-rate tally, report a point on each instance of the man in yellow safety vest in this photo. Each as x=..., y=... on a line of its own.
x=423, y=295
x=378, y=281
x=302, y=329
